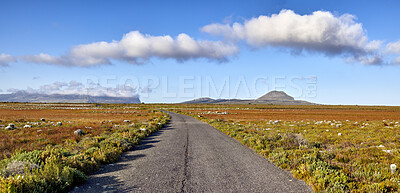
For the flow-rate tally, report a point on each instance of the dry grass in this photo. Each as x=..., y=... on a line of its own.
x=292, y=113
x=90, y=118
x=332, y=148
x=60, y=158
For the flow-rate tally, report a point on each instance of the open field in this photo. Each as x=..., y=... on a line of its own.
x=291, y=113
x=332, y=148
x=50, y=147
x=92, y=120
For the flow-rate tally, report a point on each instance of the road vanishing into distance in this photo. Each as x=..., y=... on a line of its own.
x=191, y=156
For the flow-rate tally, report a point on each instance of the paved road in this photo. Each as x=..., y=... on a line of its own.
x=191, y=156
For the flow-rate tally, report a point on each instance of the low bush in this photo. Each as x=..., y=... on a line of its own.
x=60, y=167
x=352, y=157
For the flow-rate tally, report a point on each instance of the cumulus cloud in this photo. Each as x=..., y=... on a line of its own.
x=77, y=88
x=367, y=60
x=394, y=48
x=320, y=32
x=136, y=48
x=6, y=59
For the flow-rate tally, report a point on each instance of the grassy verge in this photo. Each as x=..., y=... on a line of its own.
x=60, y=167
x=331, y=156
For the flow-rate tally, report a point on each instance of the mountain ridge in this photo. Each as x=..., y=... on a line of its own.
x=273, y=97
x=64, y=98
x=276, y=95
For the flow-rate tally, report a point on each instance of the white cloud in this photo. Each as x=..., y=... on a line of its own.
x=57, y=86
x=77, y=88
x=367, y=60
x=43, y=58
x=136, y=48
x=320, y=32
x=394, y=48
x=6, y=59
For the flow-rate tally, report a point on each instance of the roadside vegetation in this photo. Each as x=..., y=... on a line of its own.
x=357, y=153
x=52, y=147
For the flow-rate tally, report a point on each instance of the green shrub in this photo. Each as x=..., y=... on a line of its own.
x=292, y=151
x=19, y=168
x=51, y=178
x=64, y=166
x=90, y=151
x=82, y=162
x=32, y=157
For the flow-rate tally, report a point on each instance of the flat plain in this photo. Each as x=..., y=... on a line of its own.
x=53, y=147
x=331, y=148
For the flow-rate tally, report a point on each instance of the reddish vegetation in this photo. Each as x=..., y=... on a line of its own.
x=38, y=138
x=87, y=115
x=92, y=121
x=297, y=113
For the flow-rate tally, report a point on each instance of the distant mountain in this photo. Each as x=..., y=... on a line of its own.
x=61, y=98
x=273, y=97
x=276, y=95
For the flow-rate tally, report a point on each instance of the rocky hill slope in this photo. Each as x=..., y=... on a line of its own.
x=273, y=97
x=61, y=98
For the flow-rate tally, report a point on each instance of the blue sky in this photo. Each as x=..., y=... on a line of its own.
x=251, y=64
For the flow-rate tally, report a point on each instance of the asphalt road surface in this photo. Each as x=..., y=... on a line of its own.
x=191, y=156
